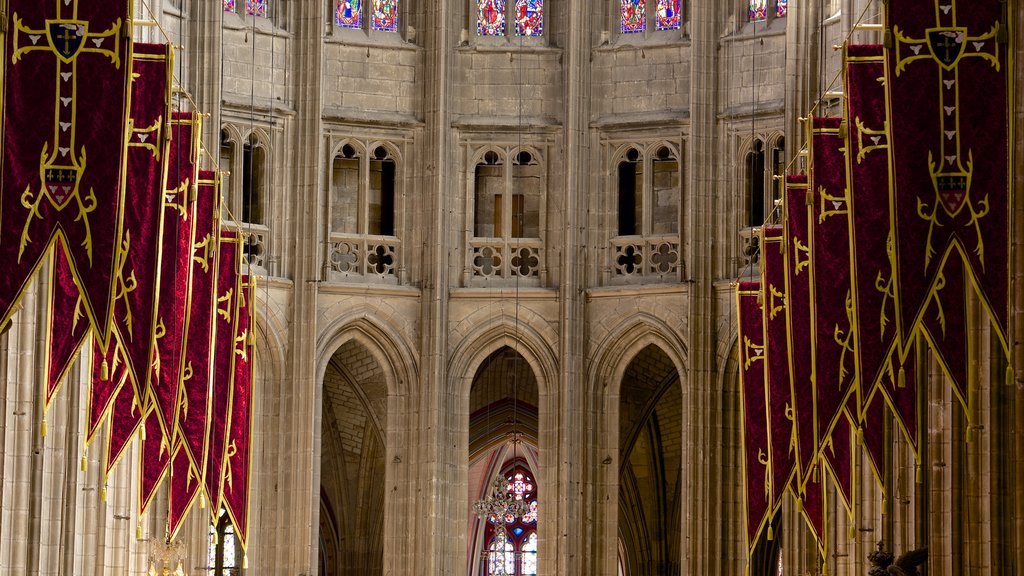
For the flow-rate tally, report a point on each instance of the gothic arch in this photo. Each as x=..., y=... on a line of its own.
x=383, y=341
x=614, y=353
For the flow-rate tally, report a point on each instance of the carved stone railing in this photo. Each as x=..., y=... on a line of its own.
x=254, y=247
x=651, y=258
x=500, y=258
x=363, y=258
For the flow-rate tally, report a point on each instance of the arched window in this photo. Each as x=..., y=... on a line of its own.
x=500, y=214
x=763, y=179
x=254, y=164
x=527, y=16
x=382, y=15
x=363, y=192
x=512, y=541
x=258, y=8
x=760, y=10
x=634, y=15
x=755, y=185
x=648, y=206
x=226, y=161
x=224, y=551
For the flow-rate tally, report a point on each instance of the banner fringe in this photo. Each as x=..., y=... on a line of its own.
x=901, y=378
x=104, y=370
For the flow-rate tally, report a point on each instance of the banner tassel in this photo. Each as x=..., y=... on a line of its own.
x=138, y=530
x=853, y=531
x=901, y=379
x=202, y=501
x=885, y=505
x=771, y=534
x=103, y=493
x=918, y=474
x=142, y=433
x=42, y=429
x=1009, y=376
x=970, y=434
x=104, y=371
x=85, y=460
x=245, y=562
x=860, y=435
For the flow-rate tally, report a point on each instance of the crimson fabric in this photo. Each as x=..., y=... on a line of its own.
x=134, y=320
x=103, y=391
x=867, y=160
x=948, y=78
x=194, y=411
x=798, y=292
x=832, y=340
x=175, y=268
x=154, y=460
x=125, y=419
x=238, y=467
x=225, y=324
x=66, y=91
x=812, y=508
x=945, y=326
x=781, y=439
x=68, y=324
x=872, y=430
x=838, y=457
x=184, y=488
x=902, y=394
x=755, y=418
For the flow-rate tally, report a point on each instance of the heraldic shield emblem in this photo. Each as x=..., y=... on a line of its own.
x=60, y=183
x=953, y=189
x=67, y=37
x=947, y=45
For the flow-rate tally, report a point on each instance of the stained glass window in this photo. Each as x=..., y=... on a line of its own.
x=501, y=552
x=634, y=16
x=256, y=8
x=529, y=17
x=781, y=8
x=758, y=10
x=385, y=15
x=229, y=5
x=348, y=14
x=529, y=556
x=490, y=19
x=223, y=553
x=668, y=15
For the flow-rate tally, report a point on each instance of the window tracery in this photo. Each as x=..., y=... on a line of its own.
x=527, y=16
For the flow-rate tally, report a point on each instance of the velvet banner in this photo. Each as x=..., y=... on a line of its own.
x=757, y=476
x=67, y=321
x=62, y=172
x=831, y=302
x=183, y=490
x=225, y=324
x=798, y=290
x=778, y=388
x=135, y=300
x=867, y=162
x=194, y=410
x=102, y=392
x=238, y=467
x=948, y=79
x=125, y=420
x=176, y=268
x=945, y=326
x=900, y=390
x=812, y=509
x=872, y=433
x=837, y=455
x=154, y=460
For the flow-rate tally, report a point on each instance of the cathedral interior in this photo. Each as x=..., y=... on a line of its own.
x=501, y=239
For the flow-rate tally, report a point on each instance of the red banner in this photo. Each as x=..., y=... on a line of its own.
x=831, y=302
x=872, y=433
x=102, y=392
x=945, y=326
x=125, y=420
x=194, y=410
x=837, y=454
x=899, y=387
x=137, y=293
x=238, y=467
x=68, y=324
x=154, y=460
x=175, y=268
x=867, y=161
x=65, y=92
x=184, y=487
x=812, y=508
x=225, y=325
x=757, y=476
x=798, y=290
x=948, y=79
x=781, y=425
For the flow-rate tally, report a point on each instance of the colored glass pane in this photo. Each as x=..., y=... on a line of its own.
x=229, y=5
x=348, y=14
x=490, y=19
x=385, y=15
x=668, y=15
x=529, y=17
x=502, y=557
x=634, y=16
x=256, y=8
x=758, y=10
x=781, y=8
x=531, y=516
x=230, y=547
x=529, y=556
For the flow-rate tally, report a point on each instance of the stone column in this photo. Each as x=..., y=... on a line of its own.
x=700, y=554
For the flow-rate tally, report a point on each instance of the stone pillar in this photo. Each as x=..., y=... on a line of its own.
x=699, y=548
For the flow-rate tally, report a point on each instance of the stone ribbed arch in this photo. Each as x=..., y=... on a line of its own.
x=384, y=342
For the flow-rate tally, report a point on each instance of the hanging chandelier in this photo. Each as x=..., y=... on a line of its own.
x=504, y=504
x=167, y=558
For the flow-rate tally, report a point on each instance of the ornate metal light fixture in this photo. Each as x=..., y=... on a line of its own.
x=167, y=558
